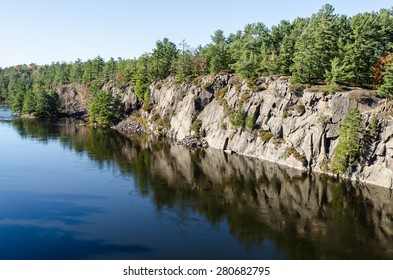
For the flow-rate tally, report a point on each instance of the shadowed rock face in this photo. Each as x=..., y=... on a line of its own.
x=306, y=216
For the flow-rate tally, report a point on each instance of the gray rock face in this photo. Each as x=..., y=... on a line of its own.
x=303, y=123
x=296, y=127
x=74, y=99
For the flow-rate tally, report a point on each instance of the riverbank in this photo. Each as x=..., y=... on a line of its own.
x=271, y=119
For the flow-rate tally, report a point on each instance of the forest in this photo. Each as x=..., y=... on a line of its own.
x=325, y=48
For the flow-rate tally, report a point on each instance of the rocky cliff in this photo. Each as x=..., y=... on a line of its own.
x=271, y=119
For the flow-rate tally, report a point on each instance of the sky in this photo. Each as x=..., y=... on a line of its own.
x=46, y=31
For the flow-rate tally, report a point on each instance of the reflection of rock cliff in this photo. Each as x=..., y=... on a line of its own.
x=296, y=126
x=307, y=216
x=263, y=200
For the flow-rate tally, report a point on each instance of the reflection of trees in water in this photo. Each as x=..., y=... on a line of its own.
x=306, y=216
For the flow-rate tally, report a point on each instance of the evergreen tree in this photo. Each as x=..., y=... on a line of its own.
x=335, y=74
x=104, y=108
x=76, y=72
x=360, y=53
x=245, y=49
x=163, y=59
x=29, y=103
x=218, y=52
x=386, y=89
x=46, y=103
x=184, y=69
x=109, y=70
x=287, y=46
x=349, y=142
x=142, y=78
x=87, y=72
x=97, y=67
x=316, y=47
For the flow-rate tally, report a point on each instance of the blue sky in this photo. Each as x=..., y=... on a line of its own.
x=43, y=31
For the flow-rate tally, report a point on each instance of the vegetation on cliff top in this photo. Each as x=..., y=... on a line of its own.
x=330, y=48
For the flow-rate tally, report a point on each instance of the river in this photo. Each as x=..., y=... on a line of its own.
x=72, y=192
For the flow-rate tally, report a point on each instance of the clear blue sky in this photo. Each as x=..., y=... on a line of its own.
x=43, y=31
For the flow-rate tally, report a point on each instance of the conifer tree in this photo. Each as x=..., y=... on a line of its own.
x=316, y=46
x=335, y=74
x=360, y=53
x=349, y=142
x=218, y=52
x=386, y=89
x=163, y=59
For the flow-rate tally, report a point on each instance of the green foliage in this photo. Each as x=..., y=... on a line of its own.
x=217, y=53
x=29, y=103
x=368, y=41
x=46, y=103
x=196, y=127
x=349, y=142
x=250, y=123
x=163, y=59
x=316, y=46
x=238, y=119
x=104, y=108
x=142, y=78
x=386, y=89
x=265, y=135
x=335, y=74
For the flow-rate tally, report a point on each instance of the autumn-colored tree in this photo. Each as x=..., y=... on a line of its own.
x=379, y=67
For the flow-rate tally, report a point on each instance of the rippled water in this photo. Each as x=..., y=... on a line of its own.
x=70, y=192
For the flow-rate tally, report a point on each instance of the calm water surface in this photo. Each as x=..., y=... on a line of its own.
x=79, y=193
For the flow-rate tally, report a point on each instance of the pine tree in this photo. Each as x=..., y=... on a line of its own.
x=218, y=52
x=349, y=142
x=360, y=53
x=316, y=47
x=109, y=70
x=104, y=108
x=335, y=74
x=76, y=72
x=386, y=89
x=163, y=59
x=245, y=49
x=287, y=45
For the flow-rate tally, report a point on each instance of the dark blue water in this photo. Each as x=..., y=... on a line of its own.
x=69, y=192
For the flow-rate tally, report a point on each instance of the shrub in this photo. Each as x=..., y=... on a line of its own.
x=196, y=127
x=277, y=141
x=291, y=151
x=155, y=117
x=250, y=123
x=208, y=86
x=265, y=135
x=296, y=88
x=147, y=106
x=220, y=94
x=238, y=118
x=167, y=122
x=300, y=109
x=324, y=165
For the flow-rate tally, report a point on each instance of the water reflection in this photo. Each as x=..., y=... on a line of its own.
x=303, y=216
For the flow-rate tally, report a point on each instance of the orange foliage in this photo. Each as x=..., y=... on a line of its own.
x=379, y=67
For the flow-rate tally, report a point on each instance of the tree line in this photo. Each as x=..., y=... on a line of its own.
x=324, y=48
